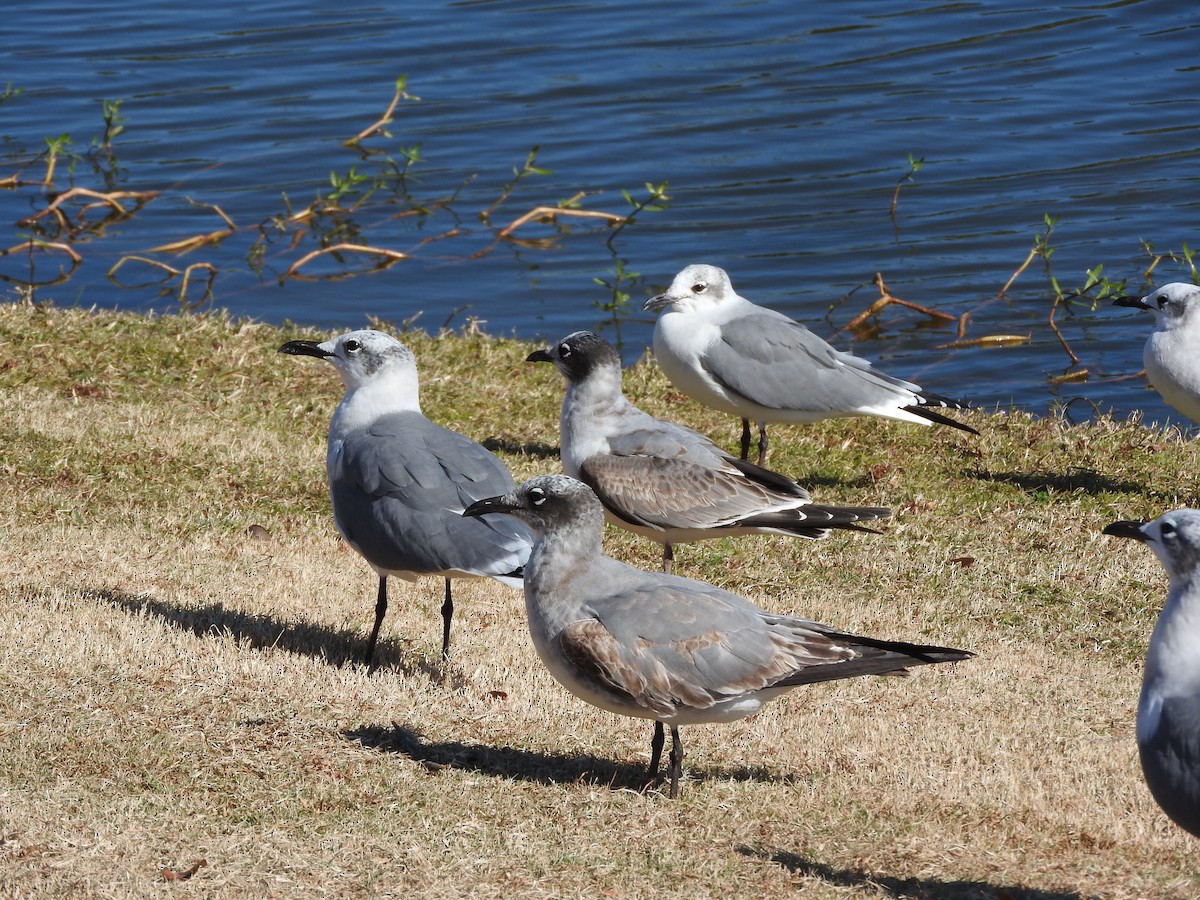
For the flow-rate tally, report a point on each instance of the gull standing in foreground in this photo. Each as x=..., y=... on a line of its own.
x=661, y=647
x=1172, y=354
x=1168, y=716
x=757, y=364
x=399, y=482
x=664, y=481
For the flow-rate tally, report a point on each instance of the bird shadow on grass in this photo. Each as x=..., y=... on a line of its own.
x=514, y=448
x=526, y=765
x=1087, y=480
x=338, y=647
x=813, y=480
x=907, y=888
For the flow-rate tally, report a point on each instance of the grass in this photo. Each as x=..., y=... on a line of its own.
x=180, y=621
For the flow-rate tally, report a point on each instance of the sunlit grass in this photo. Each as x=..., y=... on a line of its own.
x=180, y=622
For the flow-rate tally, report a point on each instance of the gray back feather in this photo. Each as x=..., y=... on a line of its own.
x=778, y=363
x=403, y=485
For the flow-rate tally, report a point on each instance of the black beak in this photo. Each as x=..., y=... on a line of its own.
x=304, y=348
x=500, y=504
x=657, y=302
x=539, y=356
x=1127, y=529
x=1136, y=302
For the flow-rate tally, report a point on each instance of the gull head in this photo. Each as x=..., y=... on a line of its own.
x=1174, y=304
x=359, y=356
x=695, y=287
x=547, y=504
x=1174, y=537
x=578, y=355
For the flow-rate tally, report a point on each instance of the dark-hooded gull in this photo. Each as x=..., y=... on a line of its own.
x=759, y=365
x=399, y=482
x=1168, y=716
x=661, y=647
x=662, y=480
x=1172, y=353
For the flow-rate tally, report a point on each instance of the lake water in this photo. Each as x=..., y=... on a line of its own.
x=782, y=128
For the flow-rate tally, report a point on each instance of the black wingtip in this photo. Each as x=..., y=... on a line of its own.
x=926, y=413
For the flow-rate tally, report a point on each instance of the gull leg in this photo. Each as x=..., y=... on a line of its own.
x=762, y=443
x=656, y=748
x=668, y=557
x=745, y=438
x=676, y=760
x=447, y=615
x=380, y=610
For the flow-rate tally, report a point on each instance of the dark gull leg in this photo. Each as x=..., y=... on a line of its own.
x=380, y=610
x=447, y=615
x=656, y=748
x=762, y=444
x=676, y=760
x=668, y=557
x=745, y=438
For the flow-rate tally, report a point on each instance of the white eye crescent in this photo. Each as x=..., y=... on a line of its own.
x=538, y=496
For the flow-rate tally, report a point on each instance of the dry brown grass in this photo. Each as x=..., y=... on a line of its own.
x=175, y=688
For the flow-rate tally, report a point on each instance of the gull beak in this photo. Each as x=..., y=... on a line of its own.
x=1136, y=302
x=1127, y=529
x=305, y=348
x=501, y=504
x=657, y=302
x=539, y=356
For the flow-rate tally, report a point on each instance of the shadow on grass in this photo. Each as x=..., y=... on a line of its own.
x=533, y=451
x=338, y=647
x=907, y=888
x=530, y=765
x=811, y=481
x=1087, y=480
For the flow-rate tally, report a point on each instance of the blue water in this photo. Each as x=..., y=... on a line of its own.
x=782, y=129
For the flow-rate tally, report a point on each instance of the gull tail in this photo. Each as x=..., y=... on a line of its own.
x=925, y=401
x=814, y=521
x=877, y=657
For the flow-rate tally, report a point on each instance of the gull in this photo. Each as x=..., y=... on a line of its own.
x=757, y=364
x=656, y=646
x=399, y=482
x=1172, y=354
x=662, y=480
x=1168, y=716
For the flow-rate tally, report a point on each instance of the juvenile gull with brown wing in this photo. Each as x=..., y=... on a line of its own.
x=662, y=480
x=657, y=646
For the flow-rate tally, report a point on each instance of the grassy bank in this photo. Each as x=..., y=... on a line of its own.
x=179, y=622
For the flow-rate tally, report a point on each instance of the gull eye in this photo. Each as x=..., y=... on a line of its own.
x=699, y=287
x=352, y=346
x=564, y=350
x=537, y=496
x=1167, y=530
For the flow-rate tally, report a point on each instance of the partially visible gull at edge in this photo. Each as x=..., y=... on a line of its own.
x=399, y=482
x=657, y=646
x=761, y=366
x=662, y=480
x=1168, y=716
x=1172, y=352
